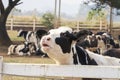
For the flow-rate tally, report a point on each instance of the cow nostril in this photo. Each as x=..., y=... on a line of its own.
x=48, y=39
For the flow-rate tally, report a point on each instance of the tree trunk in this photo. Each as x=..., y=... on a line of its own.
x=4, y=12
x=4, y=38
x=111, y=21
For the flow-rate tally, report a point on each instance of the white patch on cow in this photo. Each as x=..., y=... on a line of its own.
x=31, y=37
x=28, y=35
x=10, y=49
x=105, y=34
x=64, y=28
x=101, y=46
x=104, y=60
x=19, y=32
x=88, y=38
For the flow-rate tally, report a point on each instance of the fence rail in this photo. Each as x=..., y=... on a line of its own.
x=52, y=70
x=15, y=24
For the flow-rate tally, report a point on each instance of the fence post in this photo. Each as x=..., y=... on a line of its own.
x=34, y=22
x=1, y=67
x=78, y=25
x=11, y=26
x=101, y=25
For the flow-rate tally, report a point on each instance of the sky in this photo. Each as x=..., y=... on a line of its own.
x=67, y=6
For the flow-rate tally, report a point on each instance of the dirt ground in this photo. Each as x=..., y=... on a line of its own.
x=3, y=51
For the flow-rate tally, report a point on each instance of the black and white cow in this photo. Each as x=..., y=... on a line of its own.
x=23, y=33
x=108, y=39
x=22, y=49
x=33, y=37
x=92, y=42
x=60, y=45
x=112, y=52
x=99, y=42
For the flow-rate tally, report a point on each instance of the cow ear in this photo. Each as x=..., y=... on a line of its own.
x=82, y=33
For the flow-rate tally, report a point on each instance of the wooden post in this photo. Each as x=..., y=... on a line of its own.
x=1, y=67
x=55, y=15
x=34, y=24
x=106, y=25
x=100, y=24
x=59, y=14
x=77, y=25
x=111, y=21
x=11, y=26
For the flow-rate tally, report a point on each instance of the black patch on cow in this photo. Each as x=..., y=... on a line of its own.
x=40, y=53
x=113, y=53
x=40, y=33
x=26, y=48
x=85, y=44
x=14, y=50
x=99, y=33
x=74, y=57
x=83, y=56
x=83, y=32
x=112, y=43
x=24, y=34
x=30, y=34
x=93, y=42
x=64, y=43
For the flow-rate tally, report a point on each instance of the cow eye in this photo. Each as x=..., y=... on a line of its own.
x=62, y=34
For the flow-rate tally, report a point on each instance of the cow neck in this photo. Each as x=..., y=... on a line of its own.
x=25, y=34
x=30, y=34
x=80, y=56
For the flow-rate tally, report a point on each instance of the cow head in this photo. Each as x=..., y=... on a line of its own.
x=39, y=33
x=53, y=40
x=58, y=44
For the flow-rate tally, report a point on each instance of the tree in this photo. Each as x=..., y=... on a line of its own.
x=96, y=14
x=4, y=12
x=48, y=20
x=102, y=3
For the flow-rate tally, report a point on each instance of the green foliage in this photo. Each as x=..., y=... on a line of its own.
x=112, y=3
x=96, y=14
x=48, y=20
x=102, y=3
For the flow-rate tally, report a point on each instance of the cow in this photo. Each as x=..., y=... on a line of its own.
x=99, y=42
x=92, y=42
x=22, y=49
x=33, y=37
x=61, y=46
x=23, y=33
x=108, y=39
x=112, y=52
